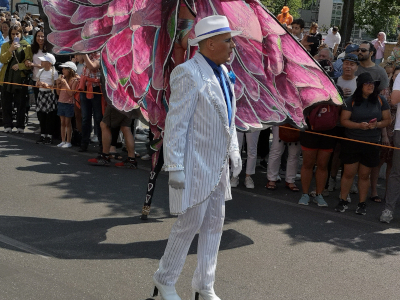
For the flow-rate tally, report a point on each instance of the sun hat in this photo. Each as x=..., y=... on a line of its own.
x=69, y=64
x=48, y=57
x=365, y=78
x=351, y=57
x=211, y=26
x=285, y=9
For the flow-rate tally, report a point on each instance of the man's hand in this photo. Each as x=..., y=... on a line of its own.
x=177, y=179
x=236, y=161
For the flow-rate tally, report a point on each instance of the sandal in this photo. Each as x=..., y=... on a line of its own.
x=293, y=188
x=376, y=199
x=116, y=156
x=271, y=185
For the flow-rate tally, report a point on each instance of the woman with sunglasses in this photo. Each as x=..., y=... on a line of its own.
x=363, y=116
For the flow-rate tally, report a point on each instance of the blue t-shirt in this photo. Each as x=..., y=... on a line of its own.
x=365, y=112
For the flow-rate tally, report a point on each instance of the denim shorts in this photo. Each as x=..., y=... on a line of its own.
x=65, y=110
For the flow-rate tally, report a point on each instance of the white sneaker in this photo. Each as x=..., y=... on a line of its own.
x=61, y=144
x=94, y=139
x=234, y=181
x=354, y=189
x=20, y=130
x=348, y=198
x=66, y=145
x=331, y=184
x=142, y=137
x=8, y=130
x=146, y=157
x=248, y=182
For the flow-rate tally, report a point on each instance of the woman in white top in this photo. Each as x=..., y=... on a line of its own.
x=379, y=44
x=5, y=27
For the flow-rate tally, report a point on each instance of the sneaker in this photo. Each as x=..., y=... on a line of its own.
x=94, y=139
x=101, y=160
x=342, y=206
x=40, y=140
x=348, y=198
x=130, y=163
x=264, y=164
x=331, y=184
x=386, y=216
x=234, y=181
x=142, y=137
x=66, y=145
x=61, y=144
x=248, y=182
x=354, y=189
x=20, y=130
x=8, y=130
x=305, y=198
x=325, y=193
x=361, y=208
x=47, y=140
x=146, y=157
x=320, y=200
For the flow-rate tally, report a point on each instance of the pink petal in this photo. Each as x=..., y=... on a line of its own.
x=64, y=7
x=110, y=74
x=85, y=13
x=269, y=25
x=57, y=21
x=294, y=52
x=120, y=23
x=146, y=13
x=140, y=81
x=301, y=76
x=310, y=96
x=119, y=45
x=247, y=81
x=120, y=8
x=99, y=2
x=272, y=45
x=253, y=58
x=91, y=45
x=95, y=28
x=143, y=47
x=66, y=39
x=329, y=87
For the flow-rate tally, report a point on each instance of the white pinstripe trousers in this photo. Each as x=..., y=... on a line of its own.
x=208, y=219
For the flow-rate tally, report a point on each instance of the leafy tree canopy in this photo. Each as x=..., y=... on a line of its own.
x=275, y=6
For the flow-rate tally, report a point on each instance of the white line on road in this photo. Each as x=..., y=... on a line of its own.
x=9, y=241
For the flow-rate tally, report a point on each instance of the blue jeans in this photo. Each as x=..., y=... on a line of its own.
x=87, y=107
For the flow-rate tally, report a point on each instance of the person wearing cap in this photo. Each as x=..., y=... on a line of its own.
x=338, y=64
x=284, y=17
x=47, y=103
x=13, y=55
x=199, y=138
x=348, y=80
x=67, y=84
x=363, y=116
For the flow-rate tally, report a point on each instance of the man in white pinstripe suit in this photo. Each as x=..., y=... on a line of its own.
x=199, y=139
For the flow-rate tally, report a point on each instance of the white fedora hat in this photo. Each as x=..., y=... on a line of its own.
x=211, y=26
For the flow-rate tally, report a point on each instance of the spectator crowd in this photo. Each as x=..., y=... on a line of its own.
x=69, y=104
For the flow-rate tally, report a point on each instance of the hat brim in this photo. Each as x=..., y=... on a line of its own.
x=66, y=66
x=195, y=41
x=357, y=62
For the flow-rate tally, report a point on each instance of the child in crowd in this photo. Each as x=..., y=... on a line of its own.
x=47, y=102
x=66, y=87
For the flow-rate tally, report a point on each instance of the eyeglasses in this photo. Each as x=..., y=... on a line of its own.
x=363, y=50
x=369, y=83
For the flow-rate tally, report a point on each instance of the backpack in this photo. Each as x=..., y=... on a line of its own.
x=324, y=117
x=288, y=135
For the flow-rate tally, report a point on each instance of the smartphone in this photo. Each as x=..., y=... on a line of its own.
x=16, y=39
x=373, y=120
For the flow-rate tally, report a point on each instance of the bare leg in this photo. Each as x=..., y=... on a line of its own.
x=106, y=137
x=68, y=127
x=322, y=170
x=363, y=182
x=309, y=159
x=350, y=170
x=62, y=119
x=129, y=141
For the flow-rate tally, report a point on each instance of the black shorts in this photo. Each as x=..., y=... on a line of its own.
x=314, y=141
x=365, y=154
x=114, y=118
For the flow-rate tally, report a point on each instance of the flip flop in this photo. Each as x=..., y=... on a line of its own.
x=116, y=156
x=376, y=199
x=293, y=188
x=271, y=185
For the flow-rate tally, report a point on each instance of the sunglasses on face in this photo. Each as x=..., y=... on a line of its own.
x=363, y=50
x=369, y=83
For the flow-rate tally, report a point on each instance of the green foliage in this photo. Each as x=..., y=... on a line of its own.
x=275, y=6
x=378, y=15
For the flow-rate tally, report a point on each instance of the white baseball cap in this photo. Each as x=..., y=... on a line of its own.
x=211, y=26
x=69, y=64
x=48, y=57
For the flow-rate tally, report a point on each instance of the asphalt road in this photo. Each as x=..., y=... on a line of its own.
x=69, y=230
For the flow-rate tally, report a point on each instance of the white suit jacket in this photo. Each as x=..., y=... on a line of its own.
x=197, y=136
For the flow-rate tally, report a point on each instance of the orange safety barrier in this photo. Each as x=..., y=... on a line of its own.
x=20, y=84
x=343, y=138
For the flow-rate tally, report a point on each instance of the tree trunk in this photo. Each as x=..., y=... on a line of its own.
x=347, y=24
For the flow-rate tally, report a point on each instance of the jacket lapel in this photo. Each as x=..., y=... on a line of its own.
x=233, y=100
x=215, y=93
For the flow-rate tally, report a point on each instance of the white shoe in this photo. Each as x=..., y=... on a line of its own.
x=205, y=294
x=248, y=182
x=94, y=139
x=167, y=292
x=331, y=184
x=354, y=189
x=20, y=130
x=234, y=181
x=142, y=137
x=8, y=130
x=61, y=144
x=348, y=198
x=146, y=157
x=66, y=145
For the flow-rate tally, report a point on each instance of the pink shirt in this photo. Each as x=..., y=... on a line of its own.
x=68, y=96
